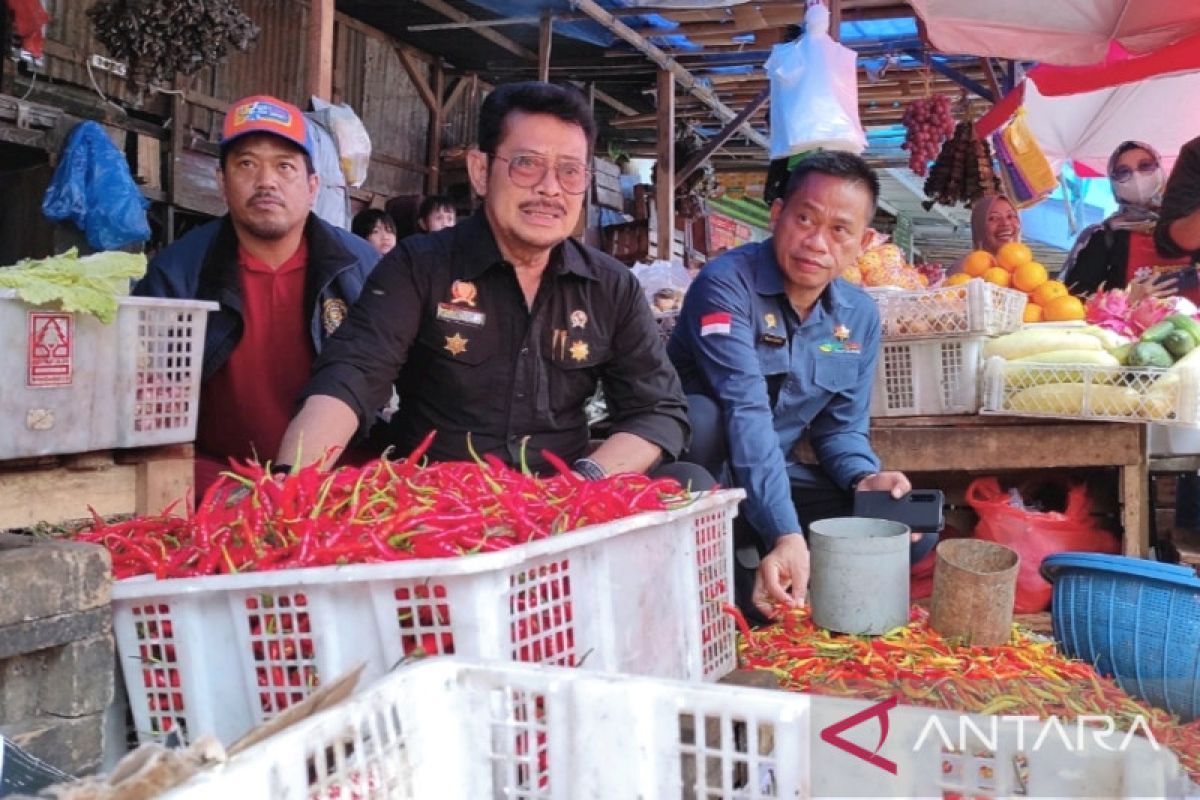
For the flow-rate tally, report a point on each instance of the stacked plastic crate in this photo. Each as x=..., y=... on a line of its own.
x=932, y=343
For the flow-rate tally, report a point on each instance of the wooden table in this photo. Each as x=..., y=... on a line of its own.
x=993, y=444
x=55, y=489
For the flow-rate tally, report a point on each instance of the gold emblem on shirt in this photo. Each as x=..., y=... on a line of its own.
x=579, y=350
x=332, y=313
x=841, y=333
x=769, y=319
x=456, y=344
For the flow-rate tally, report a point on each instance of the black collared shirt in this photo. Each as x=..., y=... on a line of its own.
x=444, y=319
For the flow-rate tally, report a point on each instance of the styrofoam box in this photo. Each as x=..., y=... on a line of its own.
x=1090, y=392
x=927, y=377
x=976, y=307
x=642, y=595
x=450, y=729
x=1173, y=440
x=71, y=384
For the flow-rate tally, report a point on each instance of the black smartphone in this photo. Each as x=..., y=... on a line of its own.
x=1178, y=278
x=920, y=509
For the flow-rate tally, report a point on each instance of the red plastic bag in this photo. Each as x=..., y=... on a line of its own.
x=920, y=574
x=1036, y=535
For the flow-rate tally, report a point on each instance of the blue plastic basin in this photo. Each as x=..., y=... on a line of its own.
x=1135, y=620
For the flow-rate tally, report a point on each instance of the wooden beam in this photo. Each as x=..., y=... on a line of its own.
x=665, y=62
x=460, y=87
x=319, y=68
x=545, y=42
x=990, y=74
x=721, y=138
x=447, y=10
x=433, y=158
x=835, y=20
x=430, y=100
x=607, y=99
x=939, y=65
x=665, y=195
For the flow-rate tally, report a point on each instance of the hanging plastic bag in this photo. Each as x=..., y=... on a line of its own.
x=1036, y=534
x=814, y=92
x=1024, y=169
x=92, y=188
x=353, y=141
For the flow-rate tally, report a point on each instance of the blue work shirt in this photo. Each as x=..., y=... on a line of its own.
x=739, y=341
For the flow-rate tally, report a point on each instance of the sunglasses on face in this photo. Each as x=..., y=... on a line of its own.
x=1123, y=173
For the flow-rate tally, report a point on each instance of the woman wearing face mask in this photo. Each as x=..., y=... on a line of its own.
x=994, y=223
x=1119, y=253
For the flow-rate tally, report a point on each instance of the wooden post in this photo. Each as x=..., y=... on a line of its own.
x=319, y=74
x=545, y=40
x=835, y=20
x=665, y=200
x=436, y=112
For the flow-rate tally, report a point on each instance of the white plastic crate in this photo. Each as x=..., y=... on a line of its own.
x=641, y=595
x=927, y=377
x=71, y=384
x=449, y=730
x=1086, y=391
x=974, y=308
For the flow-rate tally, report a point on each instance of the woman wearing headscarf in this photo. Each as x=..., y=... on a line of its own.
x=994, y=223
x=1119, y=253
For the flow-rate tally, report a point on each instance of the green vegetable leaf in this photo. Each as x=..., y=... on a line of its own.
x=92, y=284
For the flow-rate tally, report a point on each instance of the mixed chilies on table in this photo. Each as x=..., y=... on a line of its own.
x=383, y=511
x=1026, y=677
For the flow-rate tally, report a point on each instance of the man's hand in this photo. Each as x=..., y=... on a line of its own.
x=782, y=576
x=896, y=483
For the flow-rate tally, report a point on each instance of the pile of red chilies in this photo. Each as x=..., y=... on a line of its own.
x=383, y=511
x=1026, y=677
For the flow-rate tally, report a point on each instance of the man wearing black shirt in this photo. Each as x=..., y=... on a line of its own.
x=501, y=326
x=1178, y=231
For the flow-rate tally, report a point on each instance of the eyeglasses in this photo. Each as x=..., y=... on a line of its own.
x=527, y=171
x=1122, y=174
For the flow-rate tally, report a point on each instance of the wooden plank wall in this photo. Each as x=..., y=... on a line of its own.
x=368, y=76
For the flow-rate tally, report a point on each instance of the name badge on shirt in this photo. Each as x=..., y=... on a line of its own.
x=466, y=316
x=773, y=340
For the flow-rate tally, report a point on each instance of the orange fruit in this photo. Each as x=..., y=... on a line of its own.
x=978, y=262
x=998, y=276
x=957, y=279
x=1048, y=291
x=1029, y=276
x=1013, y=254
x=1062, y=309
x=1033, y=313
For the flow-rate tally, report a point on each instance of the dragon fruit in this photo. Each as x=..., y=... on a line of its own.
x=1110, y=310
x=1149, y=311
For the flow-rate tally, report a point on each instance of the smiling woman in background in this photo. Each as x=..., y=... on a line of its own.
x=994, y=223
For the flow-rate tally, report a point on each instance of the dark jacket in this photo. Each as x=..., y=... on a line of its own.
x=1099, y=260
x=203, y=266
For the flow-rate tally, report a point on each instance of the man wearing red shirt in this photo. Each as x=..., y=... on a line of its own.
x=284, y=280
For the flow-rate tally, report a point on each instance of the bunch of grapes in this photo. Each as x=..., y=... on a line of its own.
x=928, y=124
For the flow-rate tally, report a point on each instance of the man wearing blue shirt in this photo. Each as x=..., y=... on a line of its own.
x=771, y=347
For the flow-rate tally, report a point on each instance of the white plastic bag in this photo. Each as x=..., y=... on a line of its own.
x=353, y=141
x=814, y=92
x=664, y=283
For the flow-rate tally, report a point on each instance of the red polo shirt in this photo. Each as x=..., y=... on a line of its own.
x=246, y=406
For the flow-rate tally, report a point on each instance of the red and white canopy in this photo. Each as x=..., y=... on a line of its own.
x=1082, y=113
x=1056, y=31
